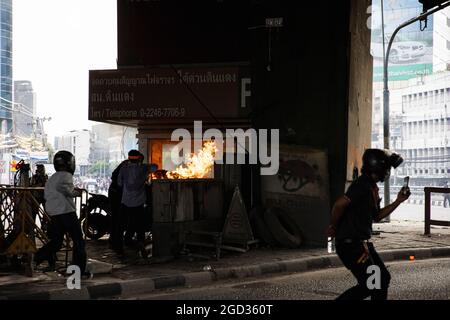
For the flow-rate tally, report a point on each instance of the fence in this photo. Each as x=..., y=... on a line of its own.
x=23, y=220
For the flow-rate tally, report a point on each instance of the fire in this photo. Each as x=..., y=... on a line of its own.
x=197, y=166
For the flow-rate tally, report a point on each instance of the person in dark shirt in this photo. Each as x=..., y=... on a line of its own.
x=351, y=224
x=132, y=179
x=39, y=179
x=117, y=221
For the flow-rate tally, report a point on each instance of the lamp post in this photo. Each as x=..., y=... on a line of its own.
x=386, y=86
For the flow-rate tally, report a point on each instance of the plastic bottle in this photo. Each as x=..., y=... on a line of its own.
x=331, y=245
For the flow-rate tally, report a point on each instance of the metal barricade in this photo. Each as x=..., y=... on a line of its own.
x=18, y=229
x=428, y=221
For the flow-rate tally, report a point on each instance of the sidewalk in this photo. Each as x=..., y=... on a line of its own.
x=397, y=240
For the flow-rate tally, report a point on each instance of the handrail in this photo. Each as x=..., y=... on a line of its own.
x=428, y=220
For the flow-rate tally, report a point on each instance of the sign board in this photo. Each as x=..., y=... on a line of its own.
x=155, y=95
x=274, y=22
x=39, y=157
x=237, y=227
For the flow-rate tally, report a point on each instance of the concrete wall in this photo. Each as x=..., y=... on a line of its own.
x=305, y=93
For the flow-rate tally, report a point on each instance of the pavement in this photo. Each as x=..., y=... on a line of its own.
x=396, y=241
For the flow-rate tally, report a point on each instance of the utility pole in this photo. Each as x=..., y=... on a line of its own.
x=386, y=134
x=386, y=93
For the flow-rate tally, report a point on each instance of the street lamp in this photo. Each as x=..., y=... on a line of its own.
x=427, y=4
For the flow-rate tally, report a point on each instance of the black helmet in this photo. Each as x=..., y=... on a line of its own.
x=64, y=161
x=379, y=162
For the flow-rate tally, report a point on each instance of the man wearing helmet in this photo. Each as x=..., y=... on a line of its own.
x=351, y=223
x=59, y=204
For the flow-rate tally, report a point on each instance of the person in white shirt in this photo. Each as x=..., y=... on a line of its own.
x=59, y=204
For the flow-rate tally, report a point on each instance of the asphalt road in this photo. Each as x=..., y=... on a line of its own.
x=420, y=279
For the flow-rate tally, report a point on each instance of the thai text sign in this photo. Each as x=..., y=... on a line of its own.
x=169, y=94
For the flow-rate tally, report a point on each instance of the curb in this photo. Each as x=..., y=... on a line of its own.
x=148, y=285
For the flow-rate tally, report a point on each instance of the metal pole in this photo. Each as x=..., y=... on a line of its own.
x=386, y=87
x=387, y=196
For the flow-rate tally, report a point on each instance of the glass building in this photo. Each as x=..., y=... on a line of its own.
x=6, y=89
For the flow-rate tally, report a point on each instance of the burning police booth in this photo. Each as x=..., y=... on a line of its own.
x=217, y=176
x=194, y=193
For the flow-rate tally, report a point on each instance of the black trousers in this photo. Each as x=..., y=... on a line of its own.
x=117, y=223
x=59, y=226
x=135, y=217
x=353, y=256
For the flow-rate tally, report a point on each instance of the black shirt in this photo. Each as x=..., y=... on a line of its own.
x=356, y=222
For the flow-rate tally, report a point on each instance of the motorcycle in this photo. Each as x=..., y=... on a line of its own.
x=95, y=216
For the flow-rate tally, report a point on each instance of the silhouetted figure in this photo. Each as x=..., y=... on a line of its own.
x=117, y=220
x=351, y=224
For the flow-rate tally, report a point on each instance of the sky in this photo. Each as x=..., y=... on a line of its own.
x=55, y=44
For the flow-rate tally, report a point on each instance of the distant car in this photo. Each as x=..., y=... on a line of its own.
x=401, y=51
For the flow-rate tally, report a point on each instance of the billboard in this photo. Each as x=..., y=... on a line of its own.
x=411, y=54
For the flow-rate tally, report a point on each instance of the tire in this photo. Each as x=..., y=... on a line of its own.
x=260, y=228
x=96, y=217
x=92, y=229
x=283, y=228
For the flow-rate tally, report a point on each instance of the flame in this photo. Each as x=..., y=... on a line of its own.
x=197, y=166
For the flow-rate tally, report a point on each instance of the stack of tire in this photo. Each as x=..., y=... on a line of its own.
x=274, y=227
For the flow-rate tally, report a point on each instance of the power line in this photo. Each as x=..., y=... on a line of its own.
x=26, y=112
